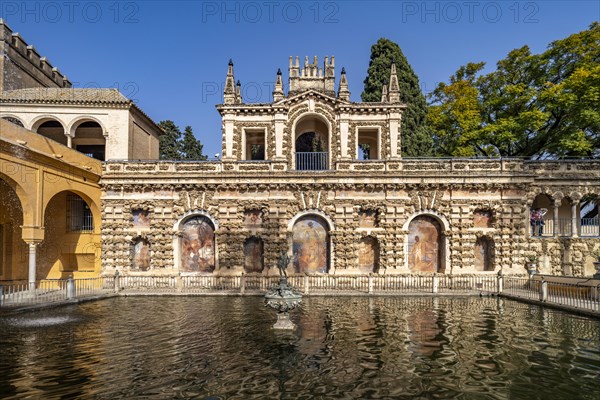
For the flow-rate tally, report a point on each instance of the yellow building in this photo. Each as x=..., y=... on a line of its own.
x=52, y=140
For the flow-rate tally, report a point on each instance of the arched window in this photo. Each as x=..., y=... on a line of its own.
x=197, y=245
x=88, y=138
x=52, y=129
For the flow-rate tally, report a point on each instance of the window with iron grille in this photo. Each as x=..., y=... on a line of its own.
x=79, y=215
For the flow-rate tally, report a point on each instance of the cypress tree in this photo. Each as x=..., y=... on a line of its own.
x=416, y=138
x=191, y=148
x=168, y=142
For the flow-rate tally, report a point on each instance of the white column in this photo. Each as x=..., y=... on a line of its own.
x=574, y=218
x=555, y=218
x=32, y=264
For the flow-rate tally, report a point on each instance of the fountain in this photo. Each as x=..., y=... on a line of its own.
x=282, y=297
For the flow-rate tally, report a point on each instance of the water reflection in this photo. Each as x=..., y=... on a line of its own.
x=193, y=347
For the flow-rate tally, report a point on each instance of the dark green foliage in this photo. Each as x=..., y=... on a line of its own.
x=169, y=141
x=534, y=105
x=175, y=147
x=191, y=148
x=416, y=138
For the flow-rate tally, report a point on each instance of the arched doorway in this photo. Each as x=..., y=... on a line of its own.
x=483, y=257
x=197, y=245
x=311, y=244
x=368, y=254
x=425, y=245
x=253, y=255
x=13, y=252
x=311, y=144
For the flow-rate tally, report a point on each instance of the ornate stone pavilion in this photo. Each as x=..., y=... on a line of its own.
x=323, y=178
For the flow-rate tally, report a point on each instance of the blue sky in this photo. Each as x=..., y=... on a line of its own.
x=171, y=57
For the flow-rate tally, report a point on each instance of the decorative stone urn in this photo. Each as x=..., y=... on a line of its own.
x=282, y=297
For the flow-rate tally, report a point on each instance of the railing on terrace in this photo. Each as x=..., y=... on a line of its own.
x=312, y=161
x=18, y=293
x=577, y=293
x=309, y=284
x=406, y=166
x=587, y=227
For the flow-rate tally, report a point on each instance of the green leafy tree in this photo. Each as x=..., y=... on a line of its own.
x=536, y=105
x=169, y=141
x=190, y=147
x=416, y=138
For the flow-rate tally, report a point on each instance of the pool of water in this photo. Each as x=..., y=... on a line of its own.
x=216, y=347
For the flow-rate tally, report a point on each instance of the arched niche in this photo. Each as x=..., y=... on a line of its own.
x=310, y=244
x=368, y=254
x=483, y=259
x=197, y=244
x=140, y=254
x=254, y=261
x=425, y=245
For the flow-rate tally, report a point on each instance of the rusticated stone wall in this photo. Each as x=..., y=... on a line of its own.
x=172, y=192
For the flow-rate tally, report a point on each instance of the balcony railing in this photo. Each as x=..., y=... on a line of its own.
x=587, y=227
x=312, y=161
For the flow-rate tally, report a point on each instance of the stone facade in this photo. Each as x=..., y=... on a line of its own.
x=334, y=211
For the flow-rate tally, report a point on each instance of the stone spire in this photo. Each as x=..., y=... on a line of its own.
x=278, y=93
x=238, y=92
x=229, y=94
x=343, y=92
x=394, y=88
x=384, y=93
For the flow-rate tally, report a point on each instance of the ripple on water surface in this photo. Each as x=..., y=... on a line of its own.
x=198, y=347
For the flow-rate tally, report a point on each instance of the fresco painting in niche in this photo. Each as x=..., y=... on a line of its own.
x=197, y=245
x=311, y=245
x=482, y=218
x=368, y=254
x=141, y=218
x=141, y=255
x=253, y=255
x=367, y=219
x=253, y=218
x=482, y=259
x=423, y=245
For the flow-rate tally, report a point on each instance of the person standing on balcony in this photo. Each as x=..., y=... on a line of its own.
x=537, y=219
